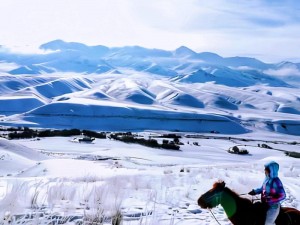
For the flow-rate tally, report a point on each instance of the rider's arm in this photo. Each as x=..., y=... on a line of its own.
x=258, y=190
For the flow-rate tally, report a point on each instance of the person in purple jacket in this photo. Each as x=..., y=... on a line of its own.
x=272, y=192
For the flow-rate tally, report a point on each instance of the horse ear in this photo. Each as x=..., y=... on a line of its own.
x=222, y=184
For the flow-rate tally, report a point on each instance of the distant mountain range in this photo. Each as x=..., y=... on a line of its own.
x=80, y=58
x=75, y=83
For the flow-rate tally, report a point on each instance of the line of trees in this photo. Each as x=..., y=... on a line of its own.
x=31, y=133
x=129, y=138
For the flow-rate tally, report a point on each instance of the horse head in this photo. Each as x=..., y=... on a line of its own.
x=212, y=197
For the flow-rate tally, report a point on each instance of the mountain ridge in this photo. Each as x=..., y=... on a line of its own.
x=135, y=88
x=80, y=55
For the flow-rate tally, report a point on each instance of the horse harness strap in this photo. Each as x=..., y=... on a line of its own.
x=214, y=216
x=219, y=198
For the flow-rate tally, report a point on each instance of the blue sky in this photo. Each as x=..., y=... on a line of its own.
x=265, y=29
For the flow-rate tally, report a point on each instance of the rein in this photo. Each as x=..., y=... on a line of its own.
x=214, y=216
x=253, y=198
x=243, y=194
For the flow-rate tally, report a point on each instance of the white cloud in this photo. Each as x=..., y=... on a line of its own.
x=286, y=71
x=268, y=29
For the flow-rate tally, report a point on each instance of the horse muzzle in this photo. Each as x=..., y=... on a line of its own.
x=203, y=204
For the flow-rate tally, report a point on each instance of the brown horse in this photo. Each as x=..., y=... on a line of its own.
x=241, y=211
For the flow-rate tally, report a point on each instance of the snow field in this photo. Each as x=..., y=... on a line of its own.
x=86, y=182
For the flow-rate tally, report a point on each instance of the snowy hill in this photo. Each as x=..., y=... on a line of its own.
x=135, y=88
x=16, y=157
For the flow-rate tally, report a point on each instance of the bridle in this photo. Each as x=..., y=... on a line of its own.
x=218, y=197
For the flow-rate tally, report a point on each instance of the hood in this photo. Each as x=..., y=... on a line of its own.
x=274, y=167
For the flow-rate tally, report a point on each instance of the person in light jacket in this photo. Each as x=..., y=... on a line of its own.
x=272, y=192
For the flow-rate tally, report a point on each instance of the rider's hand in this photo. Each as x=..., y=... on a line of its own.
x=252, y=193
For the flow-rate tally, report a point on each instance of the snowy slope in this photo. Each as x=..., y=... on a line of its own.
x=148, y=186
x=84, y=100
x=15, y=158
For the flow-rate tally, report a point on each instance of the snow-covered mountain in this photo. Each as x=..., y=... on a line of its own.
x=73, y=85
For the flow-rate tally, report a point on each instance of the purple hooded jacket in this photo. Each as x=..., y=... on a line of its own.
x=272, y=190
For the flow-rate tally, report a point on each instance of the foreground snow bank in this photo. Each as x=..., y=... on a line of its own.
x=93, y=182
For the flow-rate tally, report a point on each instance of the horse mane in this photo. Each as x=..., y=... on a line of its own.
x=236, y=195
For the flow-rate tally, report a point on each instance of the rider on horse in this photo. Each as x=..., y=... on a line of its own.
x=272, y=192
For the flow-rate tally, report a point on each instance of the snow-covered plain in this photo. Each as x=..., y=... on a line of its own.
x=220, y=101
x=69, y=180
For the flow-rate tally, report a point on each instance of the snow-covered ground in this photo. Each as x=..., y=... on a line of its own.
x=61, y=179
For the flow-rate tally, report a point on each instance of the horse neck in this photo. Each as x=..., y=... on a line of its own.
x=235, y=207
